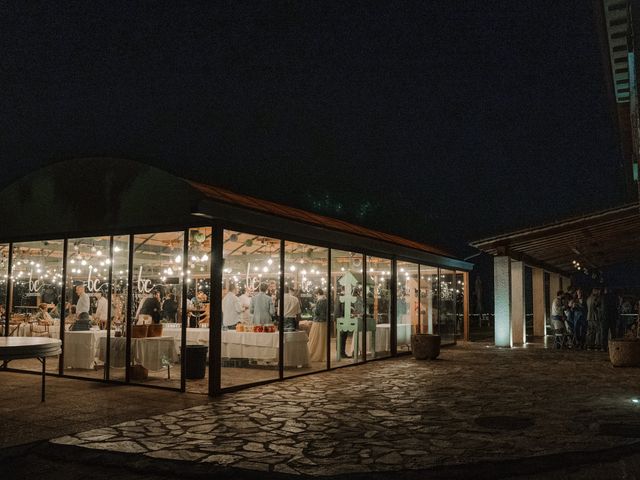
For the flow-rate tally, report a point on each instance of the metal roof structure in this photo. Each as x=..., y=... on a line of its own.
x=292, y=213
x=595, y=240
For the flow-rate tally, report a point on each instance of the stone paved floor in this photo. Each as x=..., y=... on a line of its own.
x=475, y=404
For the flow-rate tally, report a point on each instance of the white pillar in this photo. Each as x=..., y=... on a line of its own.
x=518, y=324
x=539, y=312
x=554, y=286
x=502, y=300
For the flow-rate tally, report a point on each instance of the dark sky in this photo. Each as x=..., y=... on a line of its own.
x=441, y=121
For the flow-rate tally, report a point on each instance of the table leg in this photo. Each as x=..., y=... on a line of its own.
x=43, y=360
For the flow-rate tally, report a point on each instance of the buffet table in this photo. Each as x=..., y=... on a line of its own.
x=150, y=352
x=12, y=348
x=81, y=347
x=265, y=346
x=195, y=336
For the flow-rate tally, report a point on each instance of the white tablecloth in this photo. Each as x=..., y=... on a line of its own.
x=195, y=336
x=148, y=352
x=382, y=335
x=80, y=348
x=24, y=329
x=265, y=346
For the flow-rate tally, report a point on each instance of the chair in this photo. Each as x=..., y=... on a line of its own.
x=40, y=328
x=561, y=336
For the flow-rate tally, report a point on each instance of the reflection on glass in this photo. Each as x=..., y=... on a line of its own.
x=378, y=307
x=4, y=279
x=86, y=306
x=407, y=306
x=305, y=308
x=36, y=290
x=459, y=293
x=157, y=275
x=250, y=296
x=447, y=306
x=119, y=293
x=348, y=307
x=429, y=306
x=198, y=306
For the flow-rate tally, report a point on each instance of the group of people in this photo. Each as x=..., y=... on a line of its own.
x=156, y=308
x=587, y=323
x=262, y=308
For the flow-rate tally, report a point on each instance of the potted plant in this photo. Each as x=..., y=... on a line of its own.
x=425, y=346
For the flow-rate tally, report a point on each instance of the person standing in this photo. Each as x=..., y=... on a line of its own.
x=579, y=312
x=102, y=307
x=292, y=310
x=318, y=332
x=610, y=317
x=557, y=311
x=594, y=320
x=84, y=303
x=245, y=301
x=231, y=309
x=262, y=307
x=151, y=307
x=170, y=308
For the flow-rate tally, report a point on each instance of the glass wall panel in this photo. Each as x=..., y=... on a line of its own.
x=36, y=293
x=408, y=303
x=305, y=308
x=4, y=281
x=348, y=307
x=378, y=307
x=459, y=305
x=429, y=306
x=87, y=287
x=250, y=293
x=158, y=260
x=447, y=306
x=198, y=307
x=119, y=298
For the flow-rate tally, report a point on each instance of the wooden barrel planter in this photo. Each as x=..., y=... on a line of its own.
x=624, y=352
x=425, y=346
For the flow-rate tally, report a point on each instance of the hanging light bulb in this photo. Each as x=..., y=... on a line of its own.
x=204, y=258
x=270, y=261
x=178, y=258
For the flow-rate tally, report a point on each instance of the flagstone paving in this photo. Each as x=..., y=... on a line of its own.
x=474, y=404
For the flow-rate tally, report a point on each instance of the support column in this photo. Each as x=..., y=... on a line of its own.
x=518, y=324
x=554, y=286
x=566, y=283
x=465, y=289
x=502, y=298
x=539, y=313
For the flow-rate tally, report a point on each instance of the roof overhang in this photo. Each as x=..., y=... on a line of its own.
x=595, y=240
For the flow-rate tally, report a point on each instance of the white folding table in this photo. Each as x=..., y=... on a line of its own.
x=15, y=348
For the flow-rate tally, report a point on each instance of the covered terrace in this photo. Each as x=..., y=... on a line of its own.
x=585, y=244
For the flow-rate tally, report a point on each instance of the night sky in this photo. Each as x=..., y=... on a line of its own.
x=440, y=121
